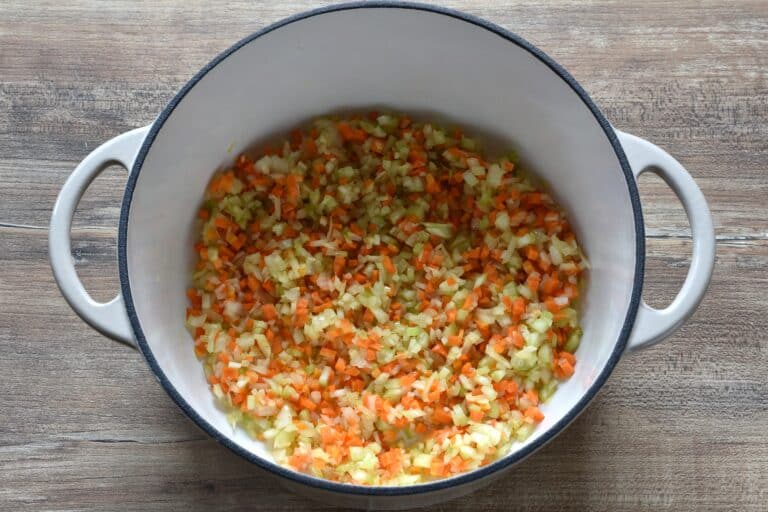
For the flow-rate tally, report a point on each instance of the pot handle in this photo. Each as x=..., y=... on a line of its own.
x=652, y=325
x=109, y=318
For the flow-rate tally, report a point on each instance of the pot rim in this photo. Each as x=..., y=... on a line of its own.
x=437, y=485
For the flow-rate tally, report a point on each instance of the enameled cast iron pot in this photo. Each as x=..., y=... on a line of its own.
x=409, y=58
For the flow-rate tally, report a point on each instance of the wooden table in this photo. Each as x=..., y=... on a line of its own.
x=681, y=426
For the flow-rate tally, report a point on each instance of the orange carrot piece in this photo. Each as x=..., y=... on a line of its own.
x=269, y=312
x=388, y=265
x=534, y=413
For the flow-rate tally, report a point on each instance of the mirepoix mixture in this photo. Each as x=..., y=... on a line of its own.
x=380, y=302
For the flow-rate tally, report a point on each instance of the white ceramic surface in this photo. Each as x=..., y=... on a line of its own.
x=436, y=63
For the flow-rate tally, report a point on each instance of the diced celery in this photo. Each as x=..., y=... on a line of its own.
x=441, y=230
x=422, y=460
x=468, y=144
x=495, y=175
x=524, y=359
x=573, y=341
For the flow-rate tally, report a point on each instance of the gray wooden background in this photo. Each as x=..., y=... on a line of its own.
x=682, y=426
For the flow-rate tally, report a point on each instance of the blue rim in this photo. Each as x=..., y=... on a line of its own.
x=456, y=481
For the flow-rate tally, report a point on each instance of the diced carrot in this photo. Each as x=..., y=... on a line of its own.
x=310, y=147
x=221, y=222
x=437, y=468
x=534, y=413
x=269, y=312
x=533, y=281
x=551, y=305
x=328, y=353
x=351, y=134
x=432, y=186
x=516, y=337
x=440, y=416
x=292, y=187
x=550, y=286
x=564, y=364
x=338, y=264
x=455, y=340
x=476, y=415
x=388, y=265
x=307, y=403
x=518, y=308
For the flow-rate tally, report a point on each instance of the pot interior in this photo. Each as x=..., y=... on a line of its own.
x=391, y=58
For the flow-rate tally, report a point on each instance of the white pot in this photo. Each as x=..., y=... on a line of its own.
x=392, y=56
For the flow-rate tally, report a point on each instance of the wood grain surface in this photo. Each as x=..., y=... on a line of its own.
x=682, y=426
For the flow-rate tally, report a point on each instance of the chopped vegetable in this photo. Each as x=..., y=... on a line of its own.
x=381, y=303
